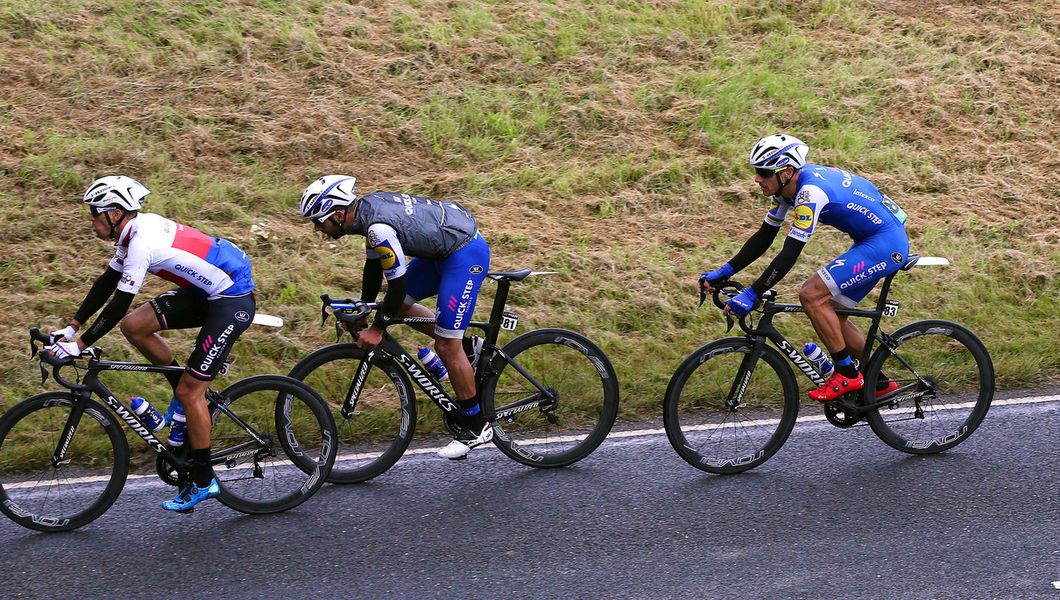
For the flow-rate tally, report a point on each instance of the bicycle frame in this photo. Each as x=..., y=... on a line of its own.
x=91, y=385
x=764, y=329
x=390, y=347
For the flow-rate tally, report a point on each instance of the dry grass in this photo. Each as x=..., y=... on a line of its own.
x=613, y=154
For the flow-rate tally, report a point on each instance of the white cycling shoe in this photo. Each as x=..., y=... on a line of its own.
x=465, y=441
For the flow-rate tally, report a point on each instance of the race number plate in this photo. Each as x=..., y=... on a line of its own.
x=890, y=309
x=509, y=321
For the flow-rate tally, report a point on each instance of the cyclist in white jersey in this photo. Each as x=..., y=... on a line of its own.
x=816, y=195
x=214, y=293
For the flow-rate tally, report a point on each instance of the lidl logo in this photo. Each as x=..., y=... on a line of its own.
x=803, y=216
x=387, y=257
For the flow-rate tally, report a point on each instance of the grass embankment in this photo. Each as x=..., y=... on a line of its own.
x=604, y=140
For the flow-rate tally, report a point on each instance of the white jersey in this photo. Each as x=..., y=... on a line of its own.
x=182, y=255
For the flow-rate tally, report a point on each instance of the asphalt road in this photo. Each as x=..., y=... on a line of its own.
x=835, y=514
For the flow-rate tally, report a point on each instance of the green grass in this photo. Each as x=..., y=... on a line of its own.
x=603, y=140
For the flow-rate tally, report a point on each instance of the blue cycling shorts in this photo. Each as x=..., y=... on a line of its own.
x=456, y=281
x=852, y=275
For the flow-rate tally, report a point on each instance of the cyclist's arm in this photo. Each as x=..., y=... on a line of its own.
x=755, y=246
x=371, y=279
x=101, y=290
x=780, y=265
x=384, y=249
x=111, y=315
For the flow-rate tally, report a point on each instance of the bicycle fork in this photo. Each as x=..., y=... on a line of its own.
x=743, y=376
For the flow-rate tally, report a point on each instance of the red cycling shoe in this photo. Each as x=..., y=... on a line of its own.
x=892, y=385
x=837, y=386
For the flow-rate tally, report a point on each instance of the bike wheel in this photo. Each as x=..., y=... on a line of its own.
x=39, y=494
x=273, y=444
x=380, y=429
x=545, y=432
x=945, y=385
x=719, y=436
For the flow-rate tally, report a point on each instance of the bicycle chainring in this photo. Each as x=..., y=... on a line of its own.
x=840, y=415
x=167, y=472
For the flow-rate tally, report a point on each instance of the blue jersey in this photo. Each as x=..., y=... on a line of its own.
x=850, y=203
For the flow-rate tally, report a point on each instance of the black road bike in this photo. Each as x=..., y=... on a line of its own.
x=64, y=458
x=723, y=424
x=551, y=394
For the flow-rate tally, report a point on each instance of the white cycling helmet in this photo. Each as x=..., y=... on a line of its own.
x=116, y=191
x=778, y=151
x=326, y=195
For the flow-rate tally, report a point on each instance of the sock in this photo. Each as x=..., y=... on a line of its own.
x=201, y=470
x=471, y=412
x=844, y=365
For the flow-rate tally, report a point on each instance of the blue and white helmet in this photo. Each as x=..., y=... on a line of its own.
x=116, y=191
x=326, y=195
x=778, y=151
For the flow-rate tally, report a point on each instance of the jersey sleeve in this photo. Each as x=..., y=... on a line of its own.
x=133, y=263
x=776, y=214
x=809, y=203
x=383, y=244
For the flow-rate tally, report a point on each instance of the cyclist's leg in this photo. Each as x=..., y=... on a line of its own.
x=845, y=282
x=423, y=277
x=141, y=328
x=462, y=274
x=222, y=320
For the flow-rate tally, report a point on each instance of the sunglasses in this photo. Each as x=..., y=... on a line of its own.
x=95, y=211
x=764, y=173
x=319, y=221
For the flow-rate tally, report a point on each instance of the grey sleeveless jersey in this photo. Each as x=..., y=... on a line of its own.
x=426, y=228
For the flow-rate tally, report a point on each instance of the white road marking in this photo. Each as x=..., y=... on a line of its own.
x=614, y=435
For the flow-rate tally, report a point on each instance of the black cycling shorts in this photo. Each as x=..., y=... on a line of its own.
x=221, y=320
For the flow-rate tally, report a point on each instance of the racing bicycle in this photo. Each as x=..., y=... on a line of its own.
x=733, y=402
x=64, y=457
x=551, y=394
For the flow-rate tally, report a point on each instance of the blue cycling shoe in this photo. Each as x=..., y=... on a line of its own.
x=192, y=495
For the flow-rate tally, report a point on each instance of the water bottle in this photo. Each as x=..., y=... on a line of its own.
x=147, y=413
x=178, y=428
x=433, y=363
x=819, y=358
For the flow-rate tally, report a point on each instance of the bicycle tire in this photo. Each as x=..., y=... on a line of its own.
x=377, y=435
x=715, y=438
x=956, y=379
x=298, y=450
x=39, y=495
x=587, y=392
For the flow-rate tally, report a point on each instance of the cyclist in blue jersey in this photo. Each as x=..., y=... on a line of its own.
x=451, y=261
x=214, y=293
x=820, y=195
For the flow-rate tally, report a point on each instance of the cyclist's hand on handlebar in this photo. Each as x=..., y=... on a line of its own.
x=708, y=280
x=65, y=334
x=742, y=303
x=369, y=338
x=65, y=350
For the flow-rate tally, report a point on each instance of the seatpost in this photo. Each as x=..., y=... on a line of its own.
x=881, y=302
x=499, y=302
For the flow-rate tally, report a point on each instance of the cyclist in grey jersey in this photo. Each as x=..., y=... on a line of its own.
x=426, y=228
x=451, y=261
